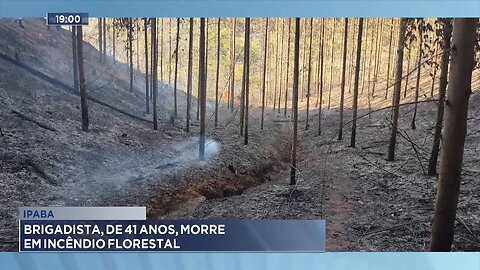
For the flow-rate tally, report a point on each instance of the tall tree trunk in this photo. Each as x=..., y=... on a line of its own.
x=154, y=70
x=351, y=69
x=370, y=58
x=302, y=69
x=130, y=47
x=114, y=38
x=277, y=63
x=147, y=94
x=388, y=59
x=409, y=54
x=206, y=54
x=100, y=36
x=331, y=65
x=321, y=79
x=295, y=101
x=242, y=94
x=342, y=87
x=162, y=78
x=397, y=90
x=75, y=60
x=419, y=67
x=170, y=56
x=247, y=75
x=309, y=79
x=355, y=84
x=364, y=62
x=281, y=68
x=265, y=55
x=202, y=90
x=317, y=103
x=81, y=78
x=288, y=65
x=137, y=48
x=218, y=73
x=104, y=38
x=434, y=70
x=189, y=75
x=458, y=94
x=447, y=35
x=378, y=57
x=232, y=61
x=175, y=76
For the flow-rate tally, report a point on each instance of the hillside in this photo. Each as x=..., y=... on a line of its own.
x=369, y=204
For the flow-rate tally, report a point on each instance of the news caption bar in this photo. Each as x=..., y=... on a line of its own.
x=121, y=229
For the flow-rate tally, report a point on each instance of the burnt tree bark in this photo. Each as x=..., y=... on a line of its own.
x=202, y=90
x=447, y=35
x=355, y=83
x=147, y=95
x=265, y=55
x=247, y=75
x=218, y=73
x=81, y=79
x=295, y=102
x=458, y=94
x=154, y=70
x=397, y=91
x=189, y=75
x=342, y=87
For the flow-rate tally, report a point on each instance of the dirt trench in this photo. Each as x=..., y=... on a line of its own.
x=223, y=183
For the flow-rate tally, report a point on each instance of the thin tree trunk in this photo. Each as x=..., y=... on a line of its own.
x=434, y=69
x=355, y=83
x=130, y=47
x=277, y=63
x=447, y=34
x=170, y=56
x=114, y=38
x=75, y=60
x=378, y=57
x=281, y=67
x=154, y=71
x=302, y=69
x=265, y=55
x=295, y=102
x=288, y=65
x=232, y=61
x=175, y=76
x=321, y=79
x=104, y=37
x=419, y=67
x=458, y=94
x=242, y=94
x=342, y=87
x=189, y=75
x=218, y=73
x=388, y=59
x=100, y=36
x=317, y=103
x=331, y=65
x=202, y=90
x=408, y=72
x=147, y=95
x=138, y=40
x=247, y=75
x=309, y=78
x=81, y=78
x=397, y=90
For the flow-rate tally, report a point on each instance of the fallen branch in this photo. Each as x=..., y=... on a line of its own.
x=30, y=119
x=40, y=172
x=119, y=110
x=468, y=229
